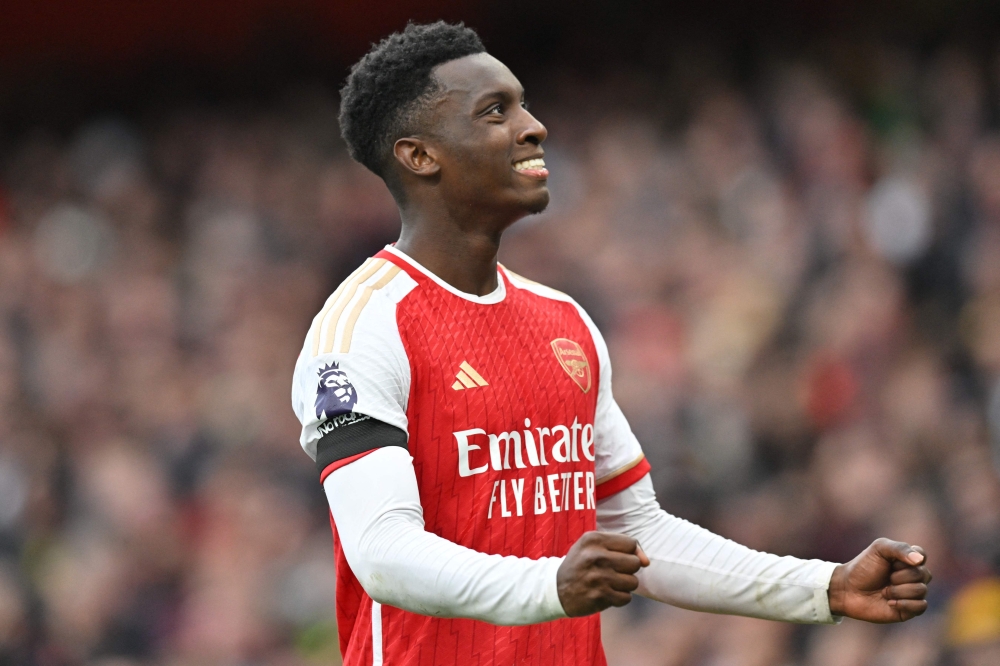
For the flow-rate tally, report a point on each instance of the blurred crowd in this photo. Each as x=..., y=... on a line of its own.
x=798, y=278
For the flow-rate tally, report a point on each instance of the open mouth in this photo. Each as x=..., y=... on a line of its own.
x=533, y=167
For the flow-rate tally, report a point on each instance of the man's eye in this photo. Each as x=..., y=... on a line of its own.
x=524, y=105
x=496, y=108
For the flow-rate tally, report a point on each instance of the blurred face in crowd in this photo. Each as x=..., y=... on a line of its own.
x=482, y=146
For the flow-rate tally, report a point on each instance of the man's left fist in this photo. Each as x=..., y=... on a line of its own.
x=887, y=582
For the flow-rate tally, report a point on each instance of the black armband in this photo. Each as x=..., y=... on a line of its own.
x=347, y=435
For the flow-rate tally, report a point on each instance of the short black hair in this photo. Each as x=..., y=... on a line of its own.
x=386, y=88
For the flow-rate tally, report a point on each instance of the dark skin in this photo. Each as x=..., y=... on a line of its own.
x=461, y=189
x=458, y=191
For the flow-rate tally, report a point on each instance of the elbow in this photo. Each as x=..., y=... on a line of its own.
x=376, y=578
x=373, y=582
x=383, y=561
x=383, y=578
x=389, y=589
x=374, y=575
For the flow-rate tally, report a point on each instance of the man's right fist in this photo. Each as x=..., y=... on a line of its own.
x=599, y=572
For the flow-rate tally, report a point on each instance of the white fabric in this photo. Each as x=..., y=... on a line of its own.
x=379, y=370
x=495, y=296
x=376, y=365
x=694, y=568
x=376, y=506
x=614, y=444
x=376, y=634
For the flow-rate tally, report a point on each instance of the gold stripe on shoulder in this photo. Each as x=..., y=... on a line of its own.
x=350, y=290
x=621, y=470
x=521, y=278
x=352, y=319
x=330, y=302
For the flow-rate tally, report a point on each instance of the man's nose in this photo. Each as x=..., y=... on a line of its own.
x=533, y=132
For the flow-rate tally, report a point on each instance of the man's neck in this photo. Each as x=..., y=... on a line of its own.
x=464, y=258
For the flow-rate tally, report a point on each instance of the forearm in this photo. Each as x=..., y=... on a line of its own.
x=376, y=507
x=693, y=568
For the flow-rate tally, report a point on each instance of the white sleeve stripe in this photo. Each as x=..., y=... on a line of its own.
x=317, y=325
x=376, y=633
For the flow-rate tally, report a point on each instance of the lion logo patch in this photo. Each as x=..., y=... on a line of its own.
x=335, y=394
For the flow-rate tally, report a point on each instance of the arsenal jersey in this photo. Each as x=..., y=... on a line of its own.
x=504, y=403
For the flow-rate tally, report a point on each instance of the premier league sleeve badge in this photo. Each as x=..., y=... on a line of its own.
x=335, y=394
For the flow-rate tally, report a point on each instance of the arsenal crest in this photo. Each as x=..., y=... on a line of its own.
x=572, y=359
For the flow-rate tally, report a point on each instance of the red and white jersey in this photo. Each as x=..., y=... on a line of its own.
x=514, y=433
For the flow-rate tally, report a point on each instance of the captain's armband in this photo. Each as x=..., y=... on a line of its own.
x=347, y=437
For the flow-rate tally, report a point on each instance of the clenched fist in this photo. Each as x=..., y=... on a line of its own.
x=887, y=582
x=598, y=572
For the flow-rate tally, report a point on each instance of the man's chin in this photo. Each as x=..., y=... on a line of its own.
x=538, y=203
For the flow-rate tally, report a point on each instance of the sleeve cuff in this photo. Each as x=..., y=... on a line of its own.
x=821, y=594
x=553, y=607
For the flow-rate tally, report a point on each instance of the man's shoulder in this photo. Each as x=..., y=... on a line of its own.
x=363, y=302
x=548, y=295
x=537, y=288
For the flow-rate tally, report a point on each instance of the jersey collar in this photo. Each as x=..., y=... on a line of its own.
x=494, y=296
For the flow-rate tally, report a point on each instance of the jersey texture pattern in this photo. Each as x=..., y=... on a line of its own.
x=506, y=402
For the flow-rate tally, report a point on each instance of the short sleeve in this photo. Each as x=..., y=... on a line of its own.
x=620, y=461
x=366, y=377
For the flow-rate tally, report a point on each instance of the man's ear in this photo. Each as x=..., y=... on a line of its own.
x=415, y=156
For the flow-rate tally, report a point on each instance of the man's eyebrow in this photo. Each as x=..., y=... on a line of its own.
x=491, y=95
x=500, y=94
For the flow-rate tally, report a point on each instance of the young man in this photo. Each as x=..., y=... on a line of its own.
x=487, y=495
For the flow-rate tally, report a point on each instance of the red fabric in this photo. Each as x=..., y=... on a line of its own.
x=510, y=345
x=350, y=596
x=409, y=268
x=334, y=466
x=623, y=480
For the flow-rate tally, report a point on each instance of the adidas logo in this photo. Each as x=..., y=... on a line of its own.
x=468, y=378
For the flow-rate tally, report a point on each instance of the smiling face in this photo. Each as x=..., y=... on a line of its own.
x=485, y=146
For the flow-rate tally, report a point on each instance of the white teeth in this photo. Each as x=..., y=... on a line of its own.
x=529, y=164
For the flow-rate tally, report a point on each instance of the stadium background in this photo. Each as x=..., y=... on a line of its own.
x=785, y=218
